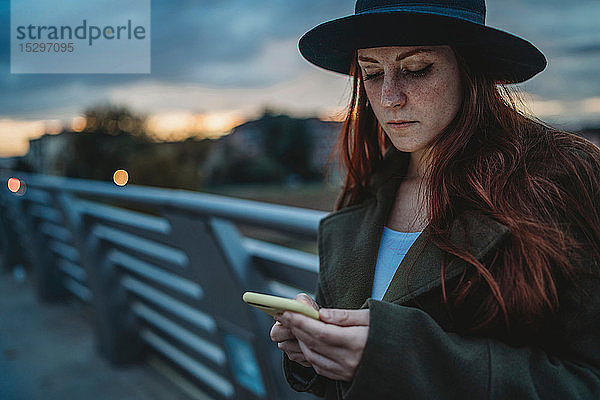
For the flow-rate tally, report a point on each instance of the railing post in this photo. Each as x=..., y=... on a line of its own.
x=117, y=332
x=46, y=277
x=9, y=247
x=117, y=335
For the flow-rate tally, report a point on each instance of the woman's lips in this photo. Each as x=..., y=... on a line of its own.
x=401, y=123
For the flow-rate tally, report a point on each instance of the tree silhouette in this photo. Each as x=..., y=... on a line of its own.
x=110, y=137
x=114, y=120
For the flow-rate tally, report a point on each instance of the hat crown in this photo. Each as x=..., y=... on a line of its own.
x=471, y=10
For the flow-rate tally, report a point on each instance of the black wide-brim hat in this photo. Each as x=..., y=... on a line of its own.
x=503, y=56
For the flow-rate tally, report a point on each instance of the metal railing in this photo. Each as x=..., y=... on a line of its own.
x=163, y=272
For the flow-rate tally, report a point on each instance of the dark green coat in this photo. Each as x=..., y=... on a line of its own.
x=411, y=350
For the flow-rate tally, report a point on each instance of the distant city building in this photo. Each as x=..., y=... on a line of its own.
x=247, y=141
x=49, y=154
x=10, y=162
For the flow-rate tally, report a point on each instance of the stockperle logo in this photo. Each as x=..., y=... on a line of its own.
x=97, y=36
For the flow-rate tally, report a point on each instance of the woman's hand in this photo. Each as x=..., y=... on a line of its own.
x=334, y=345
x=286, y=340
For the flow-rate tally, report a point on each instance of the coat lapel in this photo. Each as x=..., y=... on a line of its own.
x=419, y=273
x=349, y=242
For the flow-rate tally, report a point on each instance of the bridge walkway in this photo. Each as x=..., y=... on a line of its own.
x=47, y=352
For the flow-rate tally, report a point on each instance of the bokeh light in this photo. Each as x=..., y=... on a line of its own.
x=78, y=123
x=120, y=177
x=16, y=186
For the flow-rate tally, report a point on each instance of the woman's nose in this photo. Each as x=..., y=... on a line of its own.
x=392, y=92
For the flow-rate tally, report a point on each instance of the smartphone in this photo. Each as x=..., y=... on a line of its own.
x=274, y=304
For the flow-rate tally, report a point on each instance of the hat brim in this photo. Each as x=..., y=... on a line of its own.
x=503, y=56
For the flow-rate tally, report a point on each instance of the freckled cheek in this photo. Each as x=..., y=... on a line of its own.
x=438, y=101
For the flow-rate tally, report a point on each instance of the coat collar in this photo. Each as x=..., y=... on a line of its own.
x=350, y=241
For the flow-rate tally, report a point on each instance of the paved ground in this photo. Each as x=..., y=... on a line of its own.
x=47, y=353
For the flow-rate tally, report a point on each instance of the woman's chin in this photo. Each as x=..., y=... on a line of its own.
x=407, y=147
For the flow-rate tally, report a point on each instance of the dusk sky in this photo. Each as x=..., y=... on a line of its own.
x=217, y=63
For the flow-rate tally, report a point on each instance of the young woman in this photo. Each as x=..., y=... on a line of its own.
x=463, y=258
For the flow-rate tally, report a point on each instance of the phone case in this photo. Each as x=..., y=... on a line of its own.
x=274, y=304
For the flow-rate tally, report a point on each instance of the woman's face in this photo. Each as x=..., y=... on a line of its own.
x=415, y=92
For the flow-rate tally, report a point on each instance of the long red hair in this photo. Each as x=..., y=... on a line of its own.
x=541, y=182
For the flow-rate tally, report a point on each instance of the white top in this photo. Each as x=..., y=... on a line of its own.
x=393, y=247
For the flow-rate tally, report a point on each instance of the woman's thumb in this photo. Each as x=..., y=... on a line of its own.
x=306, y=299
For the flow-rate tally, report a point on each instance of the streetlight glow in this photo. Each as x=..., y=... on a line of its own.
x=14, y=185
x=120, y=177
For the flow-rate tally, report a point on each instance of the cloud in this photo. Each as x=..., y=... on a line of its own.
x=566, y=32
x=250, y=47
x=213, y=43
x=306, y=93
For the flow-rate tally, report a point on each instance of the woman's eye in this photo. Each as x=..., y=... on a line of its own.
x=417, y=73
x=420, y=72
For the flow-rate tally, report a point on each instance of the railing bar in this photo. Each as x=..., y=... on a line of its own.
x=64, y=250
x=121, y=216
x=282, y=255
x=170, y=304
x=137, y=243
x=273, y=216
x=216, y=381
x=45, y=213
x=176, y=377
x=39, y=196
x=156, y=274
x=204, y=347
x=73, y=270
x=56, y=231
x=78, y=289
